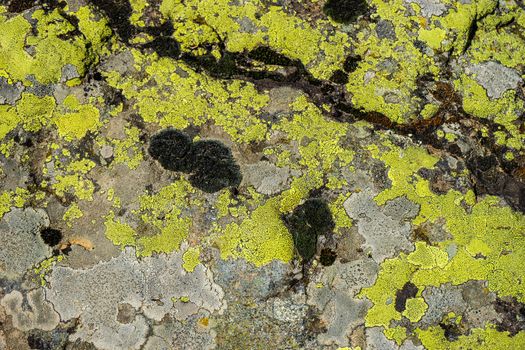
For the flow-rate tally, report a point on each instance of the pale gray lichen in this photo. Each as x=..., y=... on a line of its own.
x=386, y=229
x=42, y=316
x=495, y=77
x=333, y=291
x=148, y=285
x=376, y=340
x=22, y=246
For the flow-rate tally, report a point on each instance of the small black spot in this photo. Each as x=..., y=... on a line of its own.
x=213, y=167
x=170, y=148
x=345, y=11
x=51, y=236
x=339, y=77
x=97, y=76
x=351, y=63
x=306, y=223
x=408, y=291
x=328, y=257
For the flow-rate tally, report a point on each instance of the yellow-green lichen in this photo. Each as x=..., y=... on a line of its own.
x=190, y=259
x=260, y=238
x=49, y=52
x=71, y=214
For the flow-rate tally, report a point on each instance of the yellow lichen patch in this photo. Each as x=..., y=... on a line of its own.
x=128, y=150
x=118, y=233
x=487, y=244
x=245, y=26
x=162, y=211
x=72, y=179
x=260, y=238
x=50, y=54
x=9, y=119
x=71, y=214
x=488, y=338
x=415, y=309
x=190, y=259
x=321, y=137
x=35, y=112
x=504, y=111
x=45, y=266
x=172, y=94
x=75, y=119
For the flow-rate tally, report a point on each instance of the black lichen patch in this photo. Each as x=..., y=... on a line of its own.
x=210, y=163
x=22, y=5
x=213, y=167
x=51, y=236
x=339, y=77
x=452, y=331
x=408, y=291
x=269, y=56
x=351, y=63
x=328, y=257
x=118, y=13
x=170, y=148
x=512, y=315
x=306, y=223
x=345, y=11
x=36, y=342
x=164, y=46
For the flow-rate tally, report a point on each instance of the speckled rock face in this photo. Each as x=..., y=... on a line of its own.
x=218, y=174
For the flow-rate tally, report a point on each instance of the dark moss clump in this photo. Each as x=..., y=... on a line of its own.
x=345, y=11
x=408, y=291
x=210, y=163
x=51, y=236
x=306, y=223
x=170, y=148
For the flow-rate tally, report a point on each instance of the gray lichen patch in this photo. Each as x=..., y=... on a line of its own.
x=386, y=229
x=22, y=246
x=41, y=314
x=333, y=292
x=100, y=296
x=495, y=77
